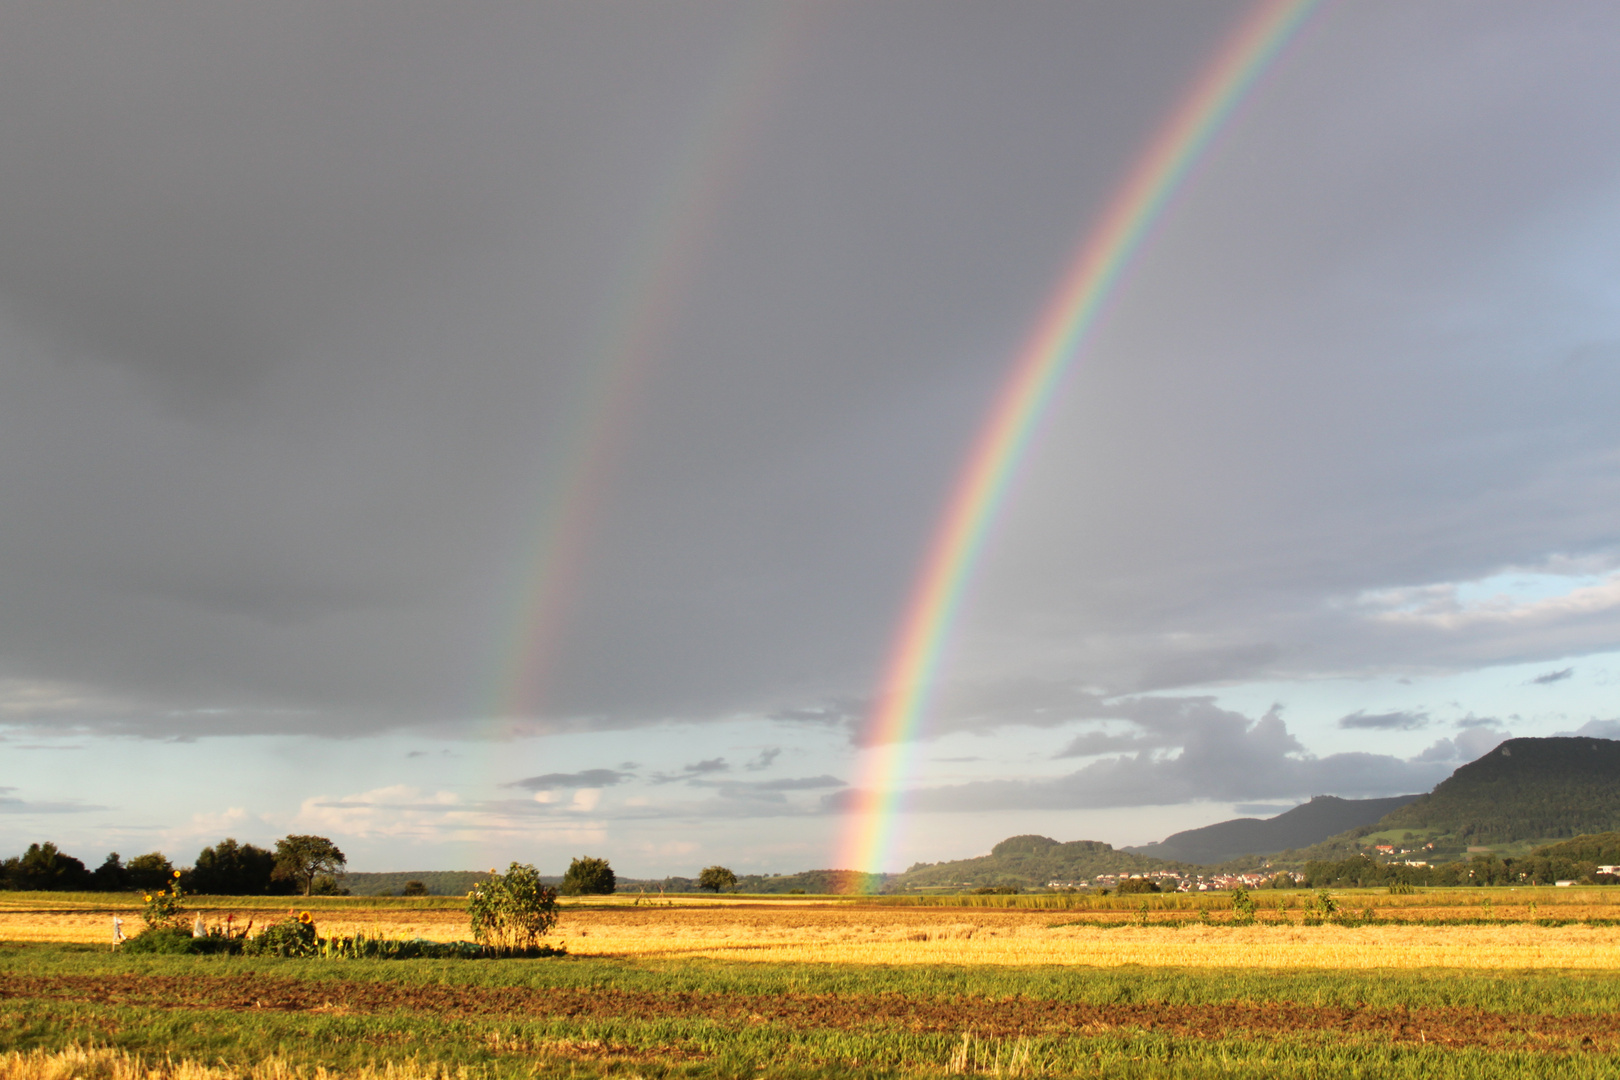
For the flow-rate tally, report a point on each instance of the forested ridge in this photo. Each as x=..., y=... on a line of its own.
x=1525, y=789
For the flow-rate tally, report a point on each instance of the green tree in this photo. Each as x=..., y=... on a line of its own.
x=414, y=888
x=303, y=858
x=717, y=879
x=232, y=869
x=150, y=871
x=588, y=877
x=43, y=866
x=112, y=875
x=513, y=910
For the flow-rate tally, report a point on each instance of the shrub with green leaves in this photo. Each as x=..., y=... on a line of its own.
x=292, y=936
x=1323, y=909
x=360, y=947
x=174, y=940
x=512, y=911
x=1243, y=907
x=164, y=907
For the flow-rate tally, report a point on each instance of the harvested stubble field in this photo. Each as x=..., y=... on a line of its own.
x=825, y=987
x=1455, y=928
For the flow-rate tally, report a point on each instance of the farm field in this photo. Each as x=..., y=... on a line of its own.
x=835, y=987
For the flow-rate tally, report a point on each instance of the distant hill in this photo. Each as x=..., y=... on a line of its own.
x=1525, y=789
x=1523, y=792
x=1029, y=861
x=838, y=882
x=1306, y=824
x=1601, y=848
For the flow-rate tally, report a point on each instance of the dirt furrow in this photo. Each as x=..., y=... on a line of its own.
x=998, y=1018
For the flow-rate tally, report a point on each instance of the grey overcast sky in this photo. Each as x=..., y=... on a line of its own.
x=321, y=323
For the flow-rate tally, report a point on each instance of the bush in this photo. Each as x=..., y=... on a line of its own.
x=589, y=877
x=292, y=936
x=1243, y=907
x=174, y=940
x=414, y=888
x=327, y=885
x=1323, y=909
x=361, y=947
x=1130, y=885
x=159, y=939
x=512, y=911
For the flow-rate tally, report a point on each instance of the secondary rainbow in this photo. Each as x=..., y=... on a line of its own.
x=1130, y=214
x=637, y=331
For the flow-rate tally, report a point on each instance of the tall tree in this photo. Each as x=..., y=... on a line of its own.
x=42, y=866
x=303, y=858
x=112, y=875
x=150, y=871
x=717, y=879
x=232, y=869
x=589, y=877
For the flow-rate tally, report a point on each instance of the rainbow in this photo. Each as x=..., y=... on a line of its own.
x=639, y=325
x=1139, y=201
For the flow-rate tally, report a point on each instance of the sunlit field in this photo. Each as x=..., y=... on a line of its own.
x=1463, y=983
x=1469, y=928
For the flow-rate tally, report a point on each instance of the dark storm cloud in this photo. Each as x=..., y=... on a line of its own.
x=1391, y=721
x=1200, y=753
x=300, y=304
x=590, y=778
x=1553, y=677
x=1092, y=743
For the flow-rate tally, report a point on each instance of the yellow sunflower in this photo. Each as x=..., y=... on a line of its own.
x=305, y=918
x=148, y=898
x=177, y=873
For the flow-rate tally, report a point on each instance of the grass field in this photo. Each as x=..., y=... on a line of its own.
x=823, y=987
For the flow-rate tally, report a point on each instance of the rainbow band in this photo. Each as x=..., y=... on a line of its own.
x=1106, y=251
x=639, y=328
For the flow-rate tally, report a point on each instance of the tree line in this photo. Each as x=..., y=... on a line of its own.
x=298, y=864
x=311, y=865
x=1534, y=869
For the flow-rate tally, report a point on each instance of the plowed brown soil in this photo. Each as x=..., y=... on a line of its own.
x=998, y=1018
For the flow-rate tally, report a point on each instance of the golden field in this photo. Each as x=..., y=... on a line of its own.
x=108, y=1063
x=865, y=932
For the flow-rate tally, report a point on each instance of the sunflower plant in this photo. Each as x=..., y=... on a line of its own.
x=511, y=912
x=165, y=908
x=292, y=936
